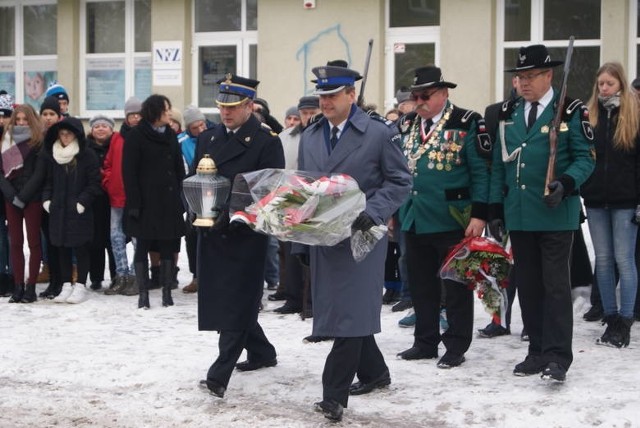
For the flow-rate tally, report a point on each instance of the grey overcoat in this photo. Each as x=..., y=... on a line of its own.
x=347, y=296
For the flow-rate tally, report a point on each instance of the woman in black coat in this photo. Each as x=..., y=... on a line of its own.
x=72, y=184
x=152, y=170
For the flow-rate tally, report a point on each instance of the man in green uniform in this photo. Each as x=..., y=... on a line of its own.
x=447, y=149
x=541, y=227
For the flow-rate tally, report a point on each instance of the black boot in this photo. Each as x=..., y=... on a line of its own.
x=52, y=290
x=174, y=284
x=29, y=294
x=612, y=335
x=166, y=280
x=141, y=278
x=6, y=286
x=18, y=293
x=625, y=330
x=154, y=283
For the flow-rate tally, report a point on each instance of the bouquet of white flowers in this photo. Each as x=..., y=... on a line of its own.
x=300, y=206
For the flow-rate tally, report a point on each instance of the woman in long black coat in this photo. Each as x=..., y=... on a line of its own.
x=72, y=184
x=152, y=171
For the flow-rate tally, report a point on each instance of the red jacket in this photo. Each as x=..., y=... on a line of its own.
x=112, y=181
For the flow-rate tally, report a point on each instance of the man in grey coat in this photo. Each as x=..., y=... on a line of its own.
x=347, y=296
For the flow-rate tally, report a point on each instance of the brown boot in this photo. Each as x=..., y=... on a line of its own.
x=43, y=276
x=192, y=287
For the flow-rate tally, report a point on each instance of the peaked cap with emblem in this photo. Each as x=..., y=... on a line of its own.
x=533, y=57
x=334, y=77
x=430, y=77
x=234, y=90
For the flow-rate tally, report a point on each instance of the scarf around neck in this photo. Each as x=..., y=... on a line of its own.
x=64, y=155
x=15, y=149
x=610, y=102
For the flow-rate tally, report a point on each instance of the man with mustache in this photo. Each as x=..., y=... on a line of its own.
x=447, y=149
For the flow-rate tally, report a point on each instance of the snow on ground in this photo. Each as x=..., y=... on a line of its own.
x=104, y=363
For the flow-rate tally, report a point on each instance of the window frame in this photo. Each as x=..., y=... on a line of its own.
x=129, y=55
x=536, y=37
x=242, y=40
x=19, y=57
x=407, y=35
x=634, y=41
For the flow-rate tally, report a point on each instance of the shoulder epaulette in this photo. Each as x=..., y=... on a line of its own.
x=576, y=105
x=506, y=109
x=378, y=118
x=404, y=123
x=266, y=128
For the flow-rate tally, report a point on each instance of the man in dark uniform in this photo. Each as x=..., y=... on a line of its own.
x=231, y=258
x=541, y=227
x=347, y=294
x=447, y=148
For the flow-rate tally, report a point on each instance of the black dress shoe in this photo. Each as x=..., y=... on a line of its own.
x=288, y=308
x=450, y=360
x=532, y=364
x=554, y=371
x=415, y=353
x=390, y=296
x=316, y=339
x=247, y=366
x=277, y=296
x=595, y=313
x=213, y=387
x=493, y=330
x=402, y=305
x=331, y=409
x=360, y=388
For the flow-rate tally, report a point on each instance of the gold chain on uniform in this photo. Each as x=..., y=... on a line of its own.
x=410, y=145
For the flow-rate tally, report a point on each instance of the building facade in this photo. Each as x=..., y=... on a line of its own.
x=104, y=51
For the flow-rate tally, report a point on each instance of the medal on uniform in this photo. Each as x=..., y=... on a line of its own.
x=447, y=167
x=439, y=166
x=430, y=165
x=412, y=164
x=544, y=129
x=564, y=127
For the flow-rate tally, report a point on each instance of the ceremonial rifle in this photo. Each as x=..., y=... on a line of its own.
x=365, y=73
x=557, y=119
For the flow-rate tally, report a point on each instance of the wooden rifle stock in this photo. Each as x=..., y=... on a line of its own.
x=365, y=73
x=557, y=120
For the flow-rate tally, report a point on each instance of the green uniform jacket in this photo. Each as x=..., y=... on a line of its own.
x=452, y=173
x=517, y=178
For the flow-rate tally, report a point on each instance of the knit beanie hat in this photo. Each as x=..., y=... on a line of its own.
x=192, y=114
x=50, y=103
x=57, y=90
x=292, y=111
x=6, y=105
x=101, y=119
x=176, y=115
x=133, y=105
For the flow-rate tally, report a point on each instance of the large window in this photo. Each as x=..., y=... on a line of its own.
x=28, y=48
x=552, y=22
x=226, y=40
x=116, y=48
x=412, y=39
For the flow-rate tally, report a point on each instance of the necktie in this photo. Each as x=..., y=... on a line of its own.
x=427, y=126
x=334, y=137
x=533, y=115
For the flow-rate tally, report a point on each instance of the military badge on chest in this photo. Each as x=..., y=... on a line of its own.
x=442, y=147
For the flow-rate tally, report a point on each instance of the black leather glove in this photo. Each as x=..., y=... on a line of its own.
x=238, y=226
x=191, y=217
x=496, y=229
x=222, y=220
x=303, y=258
x=134, y=213
x=636, y=215
x=554, y=198
x=363, y=222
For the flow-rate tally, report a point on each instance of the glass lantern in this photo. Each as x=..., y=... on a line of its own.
x=206, y=192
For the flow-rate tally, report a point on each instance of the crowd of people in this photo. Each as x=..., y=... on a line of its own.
x=79, y=197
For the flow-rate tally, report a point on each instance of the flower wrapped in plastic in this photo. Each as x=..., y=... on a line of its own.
x=484, y=265
x=298, y=206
